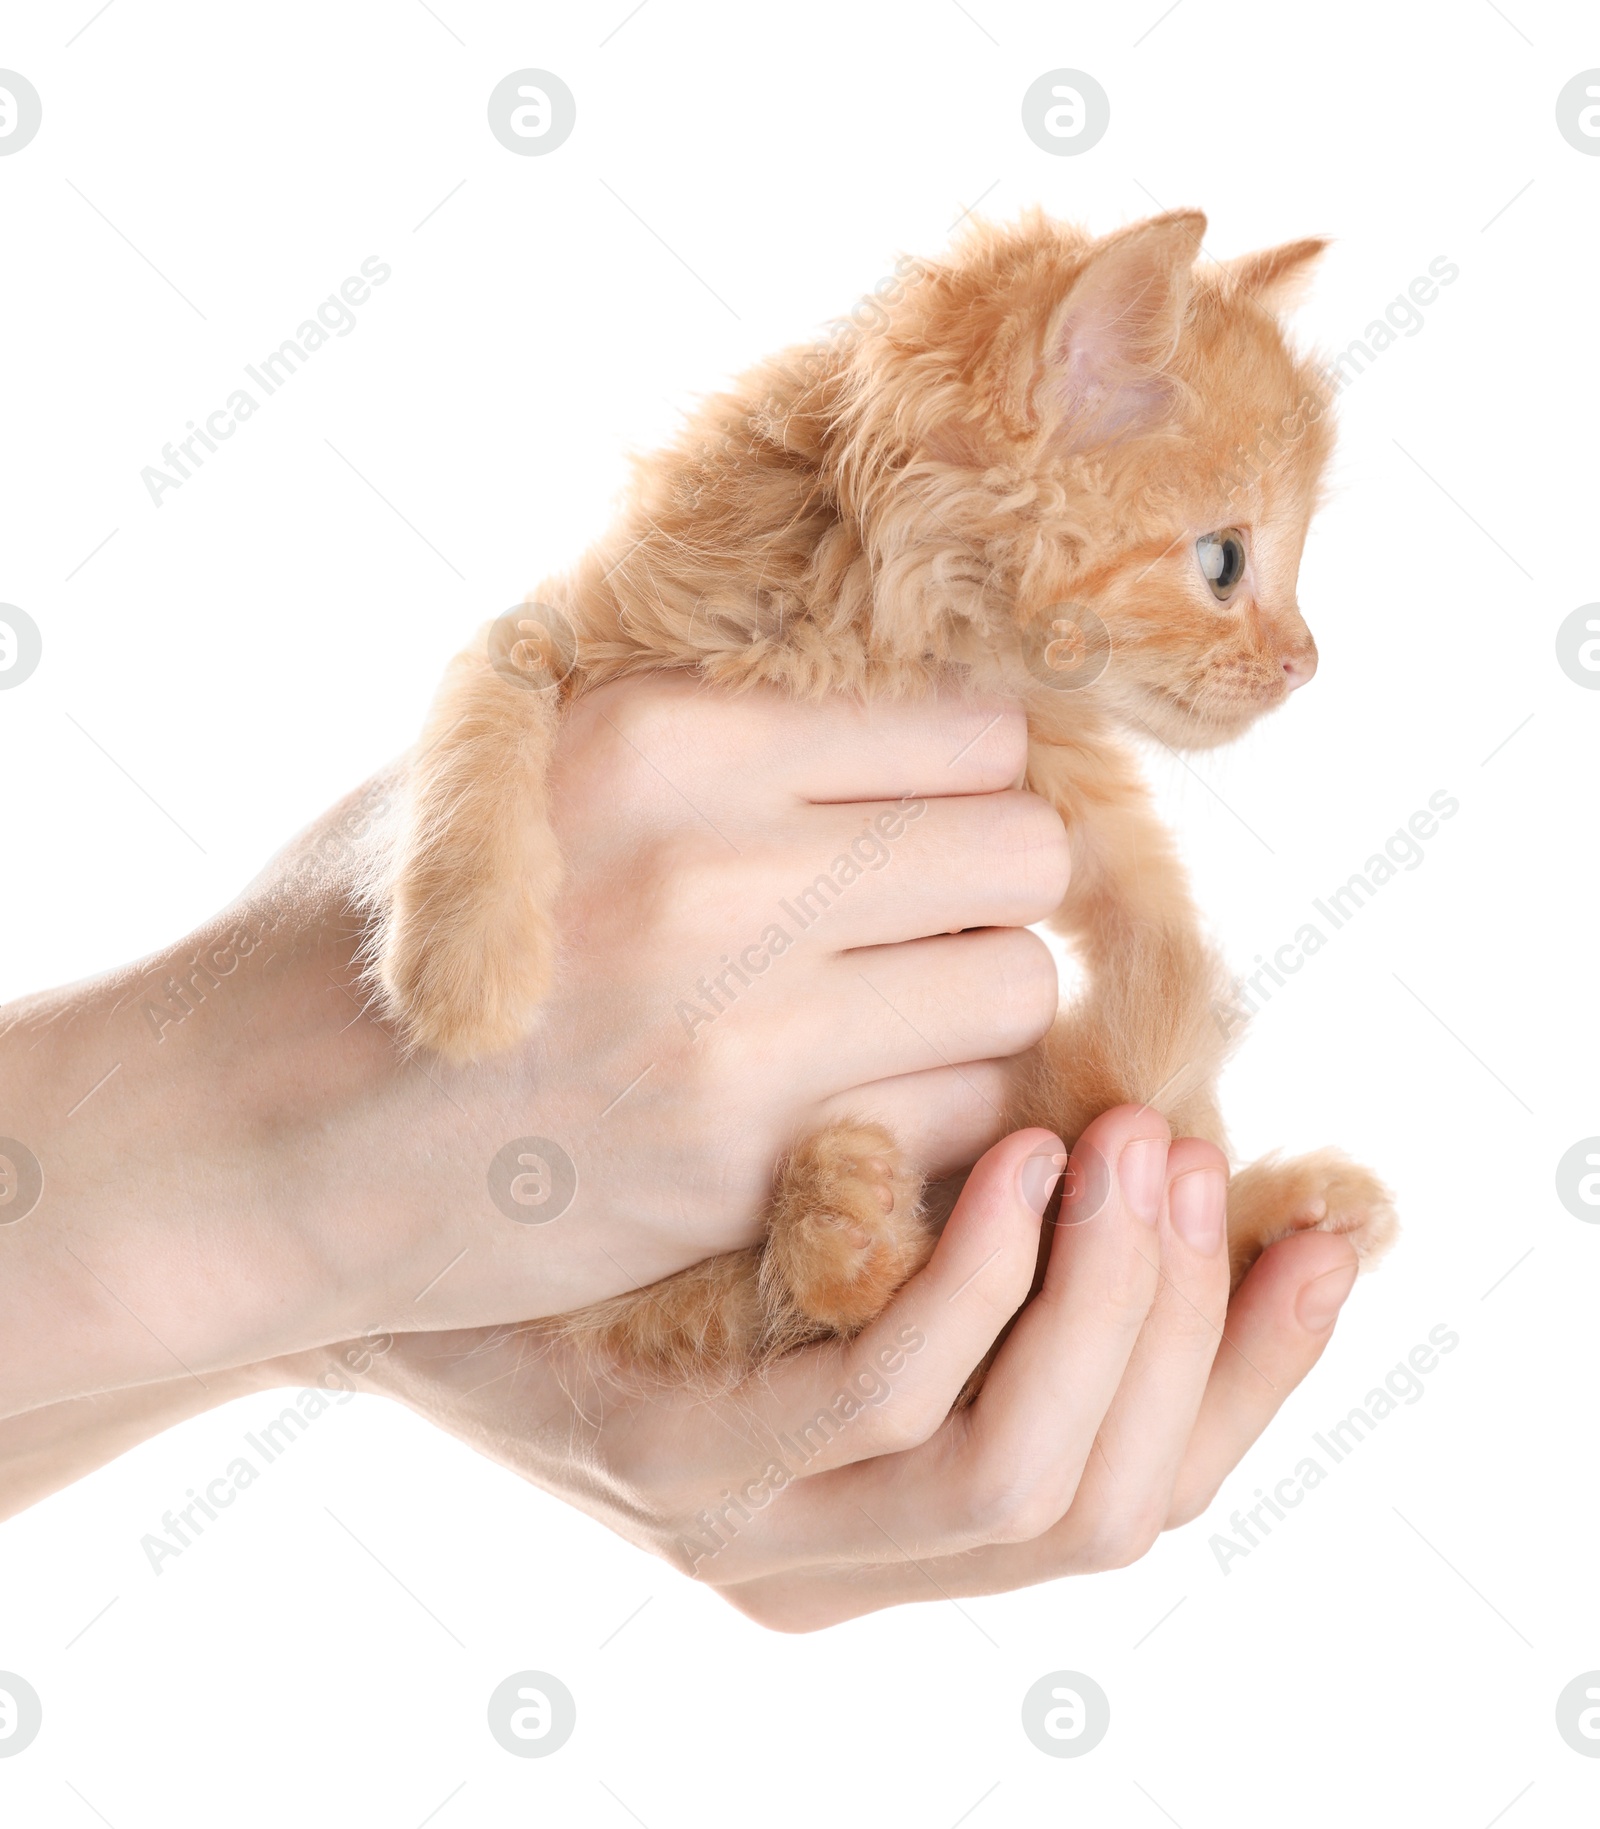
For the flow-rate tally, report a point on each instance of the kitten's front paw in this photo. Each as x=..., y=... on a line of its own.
x=465, y=982
x=1323, y=1192
x=846, y=1228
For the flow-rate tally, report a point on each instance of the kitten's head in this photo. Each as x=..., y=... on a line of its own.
x=1103, y=457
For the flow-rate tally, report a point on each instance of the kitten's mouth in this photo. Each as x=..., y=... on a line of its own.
x=1192, y=722
x=1173, y=706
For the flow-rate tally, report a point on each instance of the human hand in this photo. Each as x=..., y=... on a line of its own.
x=1126, y=1390
x=256, y=1169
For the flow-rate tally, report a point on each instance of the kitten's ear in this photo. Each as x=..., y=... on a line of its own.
x=1115, y=332
x=1277, y=276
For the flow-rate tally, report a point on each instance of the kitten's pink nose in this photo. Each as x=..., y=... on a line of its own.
x=1299, y=667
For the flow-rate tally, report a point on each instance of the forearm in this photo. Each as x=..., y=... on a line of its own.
x=152, y=1234
x=218, y=1158
x=48, y=1448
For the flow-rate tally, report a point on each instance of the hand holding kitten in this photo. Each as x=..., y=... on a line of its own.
x=271, y=1173
x=842, y=1481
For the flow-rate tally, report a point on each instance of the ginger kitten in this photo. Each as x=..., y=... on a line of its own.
x=1075, y=471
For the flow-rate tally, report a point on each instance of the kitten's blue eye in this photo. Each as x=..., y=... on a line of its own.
x=1221, y=556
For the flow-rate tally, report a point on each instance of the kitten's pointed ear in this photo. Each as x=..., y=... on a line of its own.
x=1277, y=276
x=1117, y=329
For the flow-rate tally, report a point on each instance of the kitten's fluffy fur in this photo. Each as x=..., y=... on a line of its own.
x=1038, y=423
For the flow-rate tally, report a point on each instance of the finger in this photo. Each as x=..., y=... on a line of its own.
x=1278, y=1324
x=764, y=747
x=1124, y=1497
x=809, y=1599
x=1050, y=1389
x=893, y=1385
x=1006, y=1468
x=945, y=1119
x=878, y=874
x=879, y=749
x=891, y=1010
x=1280, y=1319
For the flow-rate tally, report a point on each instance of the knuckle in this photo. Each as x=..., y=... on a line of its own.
x=1006, y=742
x=1005, y=1286
x=1191, y=1498
x=635, y=740
x=907, y=1423
x=717, y=1063
x=1033, y=838
x=989, y=735
x=1116, y=1284
x=1119, y=1540
x=1025, y=1517
x=1199, y=1320
x=681, y=885
x=1028, y=986
x=1000, y=1509
x=1125, y=1288
x=644, y=715
x=1122, y=1309
x=768, y=1604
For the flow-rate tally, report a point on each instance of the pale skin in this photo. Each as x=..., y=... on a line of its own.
x=285, y=1180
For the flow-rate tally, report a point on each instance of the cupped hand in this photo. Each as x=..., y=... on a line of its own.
x=1125, y=1387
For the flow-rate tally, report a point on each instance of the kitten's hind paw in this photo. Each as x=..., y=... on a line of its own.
x=1322, y=1192
x=845, y=1229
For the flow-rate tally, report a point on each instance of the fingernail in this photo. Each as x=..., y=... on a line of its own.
x=1037, y=1178
x=1322, y=1298
x=1141, y=1172
x=1198, y=1203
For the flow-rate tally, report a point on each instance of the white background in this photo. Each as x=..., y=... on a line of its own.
x=272, y=633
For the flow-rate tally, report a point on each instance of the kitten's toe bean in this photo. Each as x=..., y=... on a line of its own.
x=846, y=1228
x=879, y=1175
x=1323, y=1192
